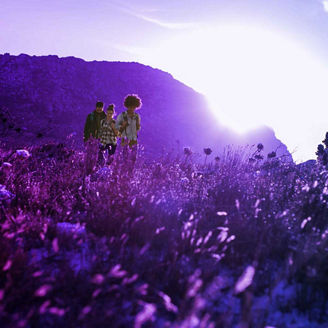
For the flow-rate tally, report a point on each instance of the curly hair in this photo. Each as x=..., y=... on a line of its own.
x=132, y=101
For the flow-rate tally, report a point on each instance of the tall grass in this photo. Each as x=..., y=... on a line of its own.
x=173, y=242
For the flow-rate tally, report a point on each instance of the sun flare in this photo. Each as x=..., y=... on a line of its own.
x=251, y=76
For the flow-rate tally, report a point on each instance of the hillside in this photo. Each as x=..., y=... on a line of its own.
x=48, y=98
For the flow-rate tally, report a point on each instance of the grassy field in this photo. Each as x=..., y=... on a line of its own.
x=235, y=241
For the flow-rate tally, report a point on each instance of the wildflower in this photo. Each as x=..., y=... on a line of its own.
x=195, y=284
x=221, y=213
x=42, y=291
x=158, y=230
x=218, y=257
x=86, y=310
x=57, y=311
x=217, y=159
x=231, y=238
x=207, y=151
x=245, y=280
x=207, y=237
x=222, y=236
x=260, y=147
x=272, y=154
x=98, y=279
x=7, y=266
x=305, y=222
x=44, y=307
x=116, y=272
x=168, y=303
x=258, y=157
x=143, y=289
x=130, y=280
x=187, y=151
x=147, y=314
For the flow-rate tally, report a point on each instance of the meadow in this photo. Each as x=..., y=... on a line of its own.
x=229, y=240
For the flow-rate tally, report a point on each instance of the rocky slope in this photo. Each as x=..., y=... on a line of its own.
x=49, y=98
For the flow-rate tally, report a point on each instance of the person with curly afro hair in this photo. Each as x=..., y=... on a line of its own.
x=128, y=124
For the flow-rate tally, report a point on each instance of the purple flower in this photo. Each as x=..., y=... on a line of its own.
x=260, y=147
x=245, y=280
x=207, y=151
x=187, y=151
x=272, y=154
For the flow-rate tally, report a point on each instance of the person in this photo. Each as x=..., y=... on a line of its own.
x=128, y=124
x=108, y=135
x=92, y=123
x=91, y=135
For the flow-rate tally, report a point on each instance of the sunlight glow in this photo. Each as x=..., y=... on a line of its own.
x=325, y=5
x=251, y=77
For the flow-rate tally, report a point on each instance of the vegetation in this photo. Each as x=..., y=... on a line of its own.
x=235, y=240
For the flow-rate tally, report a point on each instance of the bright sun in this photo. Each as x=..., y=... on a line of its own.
x=251, y=77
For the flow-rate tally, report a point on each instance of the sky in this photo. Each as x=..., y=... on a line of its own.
x=257, y=62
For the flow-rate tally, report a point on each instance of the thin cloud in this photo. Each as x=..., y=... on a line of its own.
x=173, y=26
x=140, y=14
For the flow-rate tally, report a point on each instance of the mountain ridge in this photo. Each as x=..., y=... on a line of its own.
x=52, y=96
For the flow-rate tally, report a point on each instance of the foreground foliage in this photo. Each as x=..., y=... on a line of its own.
x=240, y=241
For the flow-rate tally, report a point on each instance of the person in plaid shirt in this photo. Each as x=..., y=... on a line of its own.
x=108, y=135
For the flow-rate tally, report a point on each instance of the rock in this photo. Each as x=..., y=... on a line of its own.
x=6, y=167
x=5, y=195
x=23, y=153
